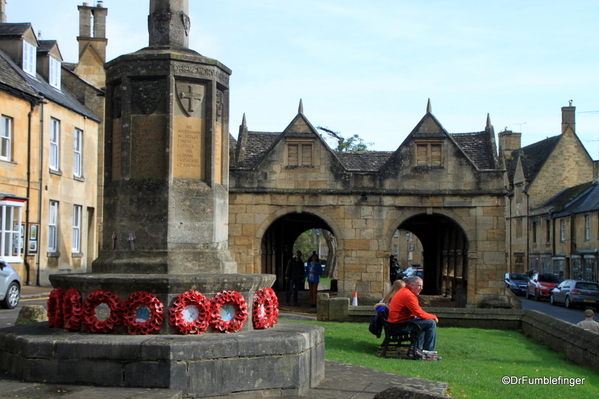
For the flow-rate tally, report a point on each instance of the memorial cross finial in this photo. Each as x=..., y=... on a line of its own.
x=169, y=23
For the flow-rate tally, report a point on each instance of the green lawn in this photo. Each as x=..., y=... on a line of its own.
x=474, y=362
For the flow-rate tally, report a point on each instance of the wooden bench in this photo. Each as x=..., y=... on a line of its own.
x=400, y=345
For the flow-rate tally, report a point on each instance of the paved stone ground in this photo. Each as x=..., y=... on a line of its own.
x=342, y=381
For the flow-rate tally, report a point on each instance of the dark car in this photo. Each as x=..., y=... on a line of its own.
x=575, y=293
x=541, y=284
x=517, y=282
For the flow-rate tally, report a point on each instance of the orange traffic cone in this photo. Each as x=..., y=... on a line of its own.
x=354, y=301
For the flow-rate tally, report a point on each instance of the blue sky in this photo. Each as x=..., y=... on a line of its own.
x=368, y=67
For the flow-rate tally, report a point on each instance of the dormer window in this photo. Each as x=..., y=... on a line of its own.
x=299, y=154
x=54, y=75
x=29, y=58
x=429, y=154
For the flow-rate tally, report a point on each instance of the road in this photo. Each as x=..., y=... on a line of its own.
x=9, y=316
x=572, y=315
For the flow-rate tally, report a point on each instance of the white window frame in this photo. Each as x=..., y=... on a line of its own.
x=77, y=214
x=11, y=242
x=53, y=227
x=54, y=144
x=562, y=230
x=54, y=75
x=29, y=58
x=78, y=153
x=6, y=137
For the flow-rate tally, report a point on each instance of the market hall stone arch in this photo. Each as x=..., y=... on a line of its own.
x=445, y=254
x=277, y=238
x=365, y=196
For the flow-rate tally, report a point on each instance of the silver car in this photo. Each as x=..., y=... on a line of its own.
x=10, y=286
x=575, y=293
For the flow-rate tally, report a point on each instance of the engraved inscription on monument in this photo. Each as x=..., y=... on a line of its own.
x=148, y=157
x=188, y=144
x=117, y=151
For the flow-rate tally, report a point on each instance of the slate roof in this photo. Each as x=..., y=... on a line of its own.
x=14, y=29
x=43, y=46
x=566, y=196
x=582, y=198
x=476, y=147
x=13, y=78
x=533, y=157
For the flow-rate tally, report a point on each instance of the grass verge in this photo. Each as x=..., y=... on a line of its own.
x=474, y=362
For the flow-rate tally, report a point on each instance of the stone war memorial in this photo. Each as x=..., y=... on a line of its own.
x=164, y=306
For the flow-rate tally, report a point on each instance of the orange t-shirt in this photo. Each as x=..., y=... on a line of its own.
x=404, y=306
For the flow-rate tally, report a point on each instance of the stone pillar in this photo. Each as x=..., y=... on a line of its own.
x=169, y=23
x=166, y=182
x=2, y=11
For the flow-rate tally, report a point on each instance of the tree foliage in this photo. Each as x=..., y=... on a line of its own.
x=306, y=243
x=352, y=143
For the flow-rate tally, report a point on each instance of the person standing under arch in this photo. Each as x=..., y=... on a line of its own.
x=313, y=272
x=294, y=274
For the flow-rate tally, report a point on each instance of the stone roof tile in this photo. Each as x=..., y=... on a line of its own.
x=476, y=147
x=258, y=143
x=368, y=161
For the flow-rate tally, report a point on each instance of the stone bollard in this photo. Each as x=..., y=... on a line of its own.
x=31, y=314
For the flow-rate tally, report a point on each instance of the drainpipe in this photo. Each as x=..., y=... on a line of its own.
x=39, y=205
x=27, y=218
x=526, y=255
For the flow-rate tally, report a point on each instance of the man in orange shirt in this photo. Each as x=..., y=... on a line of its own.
x=404, y=306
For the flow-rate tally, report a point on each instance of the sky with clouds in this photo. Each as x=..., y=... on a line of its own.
x=369, y=67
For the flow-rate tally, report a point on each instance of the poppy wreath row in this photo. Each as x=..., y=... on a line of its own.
x=143, y=313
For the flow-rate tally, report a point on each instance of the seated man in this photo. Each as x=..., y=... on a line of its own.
x=404, y=306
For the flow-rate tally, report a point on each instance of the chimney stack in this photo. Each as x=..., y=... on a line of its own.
x=96, y=34
x=569, y=117
x=2, y=11
x=508, y=142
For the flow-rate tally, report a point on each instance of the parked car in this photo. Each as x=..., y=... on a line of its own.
x=517, y=282
x=10, y=286
x=414, y=271
x=575, y=293
x=541, y=284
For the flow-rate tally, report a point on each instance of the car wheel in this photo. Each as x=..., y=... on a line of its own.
x=13, y=294
x=567, y=303
x=551, y=300
x=537, y=295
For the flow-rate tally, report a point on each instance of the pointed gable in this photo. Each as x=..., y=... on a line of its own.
x=534, y=156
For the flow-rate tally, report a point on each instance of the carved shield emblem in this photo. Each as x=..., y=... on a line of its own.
x=147, y=94
x=191, y=98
